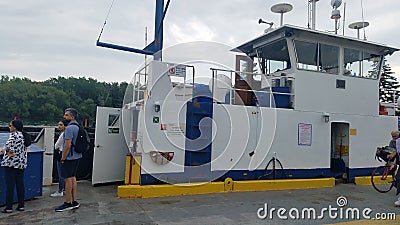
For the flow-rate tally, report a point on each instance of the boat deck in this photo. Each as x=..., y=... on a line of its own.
x=100, y=205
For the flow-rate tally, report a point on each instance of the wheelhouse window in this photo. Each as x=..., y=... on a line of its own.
x=361, y=64
x=317, y=57
x=273, y=57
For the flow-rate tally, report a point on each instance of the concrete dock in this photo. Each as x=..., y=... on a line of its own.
x=100, y=205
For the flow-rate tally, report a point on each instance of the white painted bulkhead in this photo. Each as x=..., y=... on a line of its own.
x=172, y=115
x=240, y=130
x=370, y=131
x=246, y=136
x=316, y=91
x=152, y=138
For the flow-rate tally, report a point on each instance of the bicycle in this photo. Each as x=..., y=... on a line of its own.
x=273, y=170
x=383, y=179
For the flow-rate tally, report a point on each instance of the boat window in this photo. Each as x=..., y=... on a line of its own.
x=317, y=57
x=329, y=59
x=361, y=64
x=307, y=54
x=273, y=57
x=243, y=68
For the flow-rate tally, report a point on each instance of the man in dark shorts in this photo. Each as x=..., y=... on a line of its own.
x=69, y=162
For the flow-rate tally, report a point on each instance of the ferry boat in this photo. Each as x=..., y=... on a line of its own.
x=312, y=103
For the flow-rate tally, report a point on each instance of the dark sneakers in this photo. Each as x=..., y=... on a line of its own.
x=5, y=210
x=64, y=207
x=75, y=205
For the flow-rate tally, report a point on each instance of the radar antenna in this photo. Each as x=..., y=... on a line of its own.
x=357, y=26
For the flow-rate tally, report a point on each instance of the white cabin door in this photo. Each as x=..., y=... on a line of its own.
x=110, y=147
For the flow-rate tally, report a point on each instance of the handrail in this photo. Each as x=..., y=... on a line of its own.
x=140, y=85
x=232, y=88
x=41, y=133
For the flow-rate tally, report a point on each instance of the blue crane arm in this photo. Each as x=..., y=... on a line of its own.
x=155, y=47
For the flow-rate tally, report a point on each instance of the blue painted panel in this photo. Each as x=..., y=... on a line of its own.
x=286, y=174
x=201, y=90
x=238, y=175
x=198, y=143
x=147, y=179
x=33, y=176
x=281, y=100
x=357, y=172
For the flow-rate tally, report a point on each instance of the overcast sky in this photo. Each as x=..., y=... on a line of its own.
x=48, y=38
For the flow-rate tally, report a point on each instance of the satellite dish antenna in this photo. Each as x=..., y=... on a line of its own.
x=282, y=8
x=358, y=26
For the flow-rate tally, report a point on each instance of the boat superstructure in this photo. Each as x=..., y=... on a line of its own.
x=307, y=97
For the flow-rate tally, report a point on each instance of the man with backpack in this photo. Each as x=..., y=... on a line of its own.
x=70, y=161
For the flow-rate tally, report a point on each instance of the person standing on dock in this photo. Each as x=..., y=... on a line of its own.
x=70, y=161
x=15, y=160
x=62, y=124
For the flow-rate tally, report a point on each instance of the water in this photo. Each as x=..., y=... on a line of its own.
x=4, y=137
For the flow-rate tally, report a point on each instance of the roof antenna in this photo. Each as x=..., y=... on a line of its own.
x=282, y=8
x=344, y=16
x=313, y=12
x=362, y=16
x=336, y=12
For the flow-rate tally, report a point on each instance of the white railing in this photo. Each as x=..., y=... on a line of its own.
x=140, y=84
x=231, y=90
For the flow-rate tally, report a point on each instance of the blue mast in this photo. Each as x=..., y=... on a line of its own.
x=155, y=47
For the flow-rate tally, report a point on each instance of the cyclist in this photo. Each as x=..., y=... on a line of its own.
x=395, y=156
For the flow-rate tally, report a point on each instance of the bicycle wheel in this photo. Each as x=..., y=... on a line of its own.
x=380, y=181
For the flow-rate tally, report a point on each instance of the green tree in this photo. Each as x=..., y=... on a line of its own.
x=44, y=102
x=388, y=85
x=30, y=100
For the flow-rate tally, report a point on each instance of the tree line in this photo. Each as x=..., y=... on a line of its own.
x=43, y=103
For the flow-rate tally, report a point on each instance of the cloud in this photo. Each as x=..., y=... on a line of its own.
x=193, y=30
x=40, y=38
